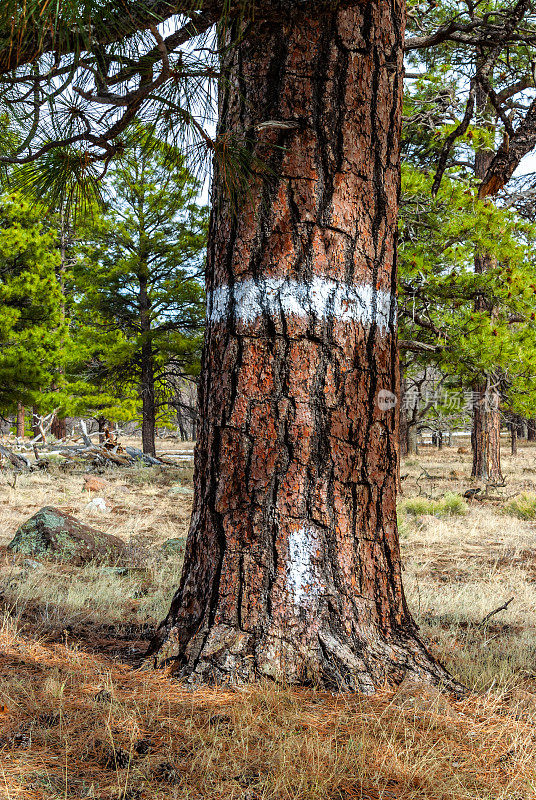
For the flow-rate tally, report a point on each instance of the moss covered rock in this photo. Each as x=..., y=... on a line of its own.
x=173, y=547
x=51, y=533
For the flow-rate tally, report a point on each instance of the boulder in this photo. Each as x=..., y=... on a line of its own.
x=173, y=547
x=51, y=533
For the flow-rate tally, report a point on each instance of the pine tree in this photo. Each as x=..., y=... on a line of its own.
x=465, y=104
x=138, y=278
x=292, y=566
x=444, y=302
x=30, y=318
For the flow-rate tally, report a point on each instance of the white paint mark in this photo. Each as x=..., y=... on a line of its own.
x=302, y=580
x=321, y=298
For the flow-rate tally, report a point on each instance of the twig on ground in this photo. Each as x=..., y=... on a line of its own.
x=496, y=611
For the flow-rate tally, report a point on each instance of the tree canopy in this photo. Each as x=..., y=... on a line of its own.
x=31, y=325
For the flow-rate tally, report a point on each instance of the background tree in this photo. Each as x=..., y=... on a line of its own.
x=30, y=305
x=442, y=319
x=468, y=105
x=139, y=279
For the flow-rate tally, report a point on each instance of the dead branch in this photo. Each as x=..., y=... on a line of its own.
x=19, y=461
x=496, y=611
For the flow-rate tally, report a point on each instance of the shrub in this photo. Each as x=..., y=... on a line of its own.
x=523, y=507
x=450, y=505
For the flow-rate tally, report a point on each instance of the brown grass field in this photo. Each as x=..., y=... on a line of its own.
x=76, y=721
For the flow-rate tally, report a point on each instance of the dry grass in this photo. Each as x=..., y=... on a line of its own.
x=107, y=609
x=69, y=698
x=76, y=725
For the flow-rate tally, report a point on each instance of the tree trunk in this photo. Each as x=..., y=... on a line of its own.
x=531, y=430
x=148, y=401
x=59, y=427
x=36, y=424
x=413, y=440
x=486, y=438
x=513, y=437
x=292, y=565
x=403, y=427
x=101, y=422
x=486, y=406
x=147, y=372
x=20, y=420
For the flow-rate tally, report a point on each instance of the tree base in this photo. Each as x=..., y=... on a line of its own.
x=225, y=655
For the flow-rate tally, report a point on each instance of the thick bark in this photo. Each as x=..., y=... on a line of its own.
x=486, y=405
x=504, y=163
x=148, y=401
x=531, y=430
x=20, y=420
x=292, y=566
x=486, y=433
x=147, y=389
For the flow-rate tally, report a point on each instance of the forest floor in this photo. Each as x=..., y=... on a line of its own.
x=77, y=721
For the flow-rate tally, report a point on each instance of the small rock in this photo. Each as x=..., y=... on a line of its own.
x=31, y=564
x=52, y=533
x=185, y=490
x=114, y=570
x=97, y=504
x=94, y=484
x=173, y=547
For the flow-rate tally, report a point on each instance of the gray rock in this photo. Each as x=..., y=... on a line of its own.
x=173, y=547
x=31, y=564
x=186, y=490
x=114, y=570
x=52, y=534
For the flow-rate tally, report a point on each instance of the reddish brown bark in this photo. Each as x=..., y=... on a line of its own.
x=486, y=437
x=59, y=427
x=20, y=420
x=486, y=407
x=292, y=565
x=147, y=382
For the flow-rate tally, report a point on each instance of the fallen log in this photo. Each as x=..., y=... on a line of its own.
x=17, y=459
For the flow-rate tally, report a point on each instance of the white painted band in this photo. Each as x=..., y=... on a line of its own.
x=321, y=298
x=302, y=580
